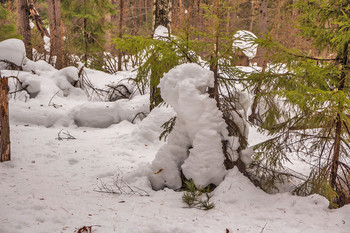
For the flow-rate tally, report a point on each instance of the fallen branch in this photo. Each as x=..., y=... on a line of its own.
x=53, y=104
x=66, y=136
x=140, y=113
x=119, y=186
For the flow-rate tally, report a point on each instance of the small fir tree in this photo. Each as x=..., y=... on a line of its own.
x=312, y=118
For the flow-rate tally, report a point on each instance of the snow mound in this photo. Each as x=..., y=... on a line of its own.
x=161, y=33
x=244, y=40
x=66, y=79
x=238, y=190
x=103, y=115
x=13, y=50
x=199, y=124
x=93, y=114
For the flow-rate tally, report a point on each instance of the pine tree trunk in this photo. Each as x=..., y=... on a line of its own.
x=114, y=21
x=214, y=91
x=25, y=27
x=262, y=26
x=161, y=16
x=146, y=11
x=56, y=32
x=140, y=13
x=4, y=122
x=343, y=59
x=86, y=41
x=336, y=152
x=120, y=33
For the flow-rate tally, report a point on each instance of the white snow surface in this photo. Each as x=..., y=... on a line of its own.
x=52, y=185
x=244, y=40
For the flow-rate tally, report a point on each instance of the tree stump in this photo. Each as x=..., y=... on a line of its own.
x=4, y=122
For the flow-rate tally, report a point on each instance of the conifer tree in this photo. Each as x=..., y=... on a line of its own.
x=86, y=28
x=7, y=24
x=314, y=120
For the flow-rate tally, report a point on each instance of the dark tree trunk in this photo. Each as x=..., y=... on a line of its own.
x=214, y=91
x=120, y=33
x=262, y=26
x=56, y=32
x=343, y=59
x=24, y=27
x=4, y=122
x=161, y=16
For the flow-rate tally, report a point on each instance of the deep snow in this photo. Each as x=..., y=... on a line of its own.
x=53, y=185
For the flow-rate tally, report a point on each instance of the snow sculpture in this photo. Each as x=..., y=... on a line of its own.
x=194, y=144
x=244, y=40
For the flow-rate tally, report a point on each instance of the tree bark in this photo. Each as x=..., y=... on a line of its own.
x=56, y=33
x=343, y=59
x=140, y=13
x=214, y=91
x=262, y=26
x=120, y=33
x=162, y=14
x=4, y=122
x=24, y=27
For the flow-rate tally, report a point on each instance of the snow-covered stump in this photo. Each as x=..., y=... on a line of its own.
x=194, y=145
x=4, y=121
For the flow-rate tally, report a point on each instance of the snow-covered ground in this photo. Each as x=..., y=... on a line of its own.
x=53, y=185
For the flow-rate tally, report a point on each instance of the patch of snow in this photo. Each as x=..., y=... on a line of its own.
x=13, y=50
x=245, y=41
x=161, y=33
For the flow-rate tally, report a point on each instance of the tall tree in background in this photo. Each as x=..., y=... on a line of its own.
x=161, y=16
x=86, y=28
x=120, y=32
x=56, y=32
x=262, y=29
x=24, y=27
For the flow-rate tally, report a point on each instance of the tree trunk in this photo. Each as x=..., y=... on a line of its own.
x=25, y=27
x=161, y=16
x=336, y=153
x=56, y=33
x=120, y=33
x=262, y=26
x=146, y=11
x=140, y=14
x=214, y=91
x=86, y=41
x=4, y=122
x=343, y=59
